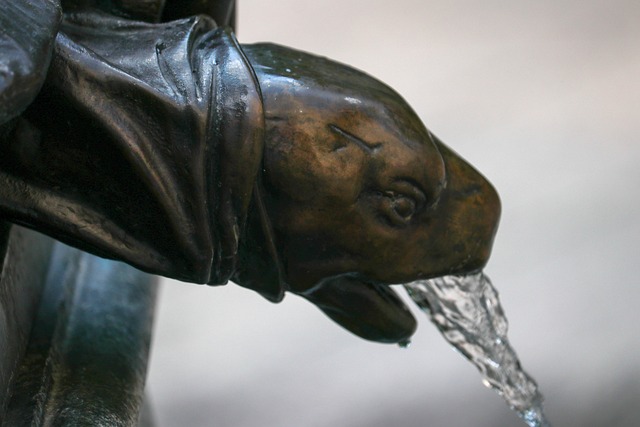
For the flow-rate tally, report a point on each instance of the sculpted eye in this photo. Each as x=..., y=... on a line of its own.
x=398, y=208
x=401, y=203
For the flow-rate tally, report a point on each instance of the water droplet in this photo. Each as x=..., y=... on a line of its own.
x=404, y=344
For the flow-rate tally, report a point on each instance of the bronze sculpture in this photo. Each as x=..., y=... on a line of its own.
x=170, y=146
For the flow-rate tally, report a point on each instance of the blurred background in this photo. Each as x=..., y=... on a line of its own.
x=543, y=97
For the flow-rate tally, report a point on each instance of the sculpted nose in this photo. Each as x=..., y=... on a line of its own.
x=485, y=217
x=472, y=209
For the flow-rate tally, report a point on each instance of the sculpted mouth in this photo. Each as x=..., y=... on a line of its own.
x=369, y=310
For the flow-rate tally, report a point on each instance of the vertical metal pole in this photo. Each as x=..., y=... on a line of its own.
x=87, y=357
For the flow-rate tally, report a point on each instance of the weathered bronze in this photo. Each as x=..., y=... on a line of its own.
x=170, y=146
x=75, y=336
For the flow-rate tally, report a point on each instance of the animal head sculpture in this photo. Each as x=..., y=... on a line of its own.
x=360, y=194
x=188, y=155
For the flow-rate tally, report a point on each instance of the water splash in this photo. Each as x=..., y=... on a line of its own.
x=467, y=312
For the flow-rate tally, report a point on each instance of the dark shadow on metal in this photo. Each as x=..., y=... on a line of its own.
x=27, y=35
x=24, y=261
x=222, y=11
x=87, y=356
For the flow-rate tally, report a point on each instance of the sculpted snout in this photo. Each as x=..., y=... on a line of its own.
x=359, y=194
x=433, y=215
x=463, y=225
x=454, y=236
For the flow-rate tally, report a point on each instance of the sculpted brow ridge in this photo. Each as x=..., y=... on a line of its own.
x=368, y=147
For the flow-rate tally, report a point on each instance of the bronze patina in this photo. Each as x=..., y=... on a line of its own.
x=157, y=139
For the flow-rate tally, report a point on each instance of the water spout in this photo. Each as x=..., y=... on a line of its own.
x=467, y=311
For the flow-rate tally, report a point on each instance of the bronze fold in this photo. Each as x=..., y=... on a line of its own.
x=157, y=161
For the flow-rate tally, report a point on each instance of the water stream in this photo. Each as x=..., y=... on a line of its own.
x=467, y=312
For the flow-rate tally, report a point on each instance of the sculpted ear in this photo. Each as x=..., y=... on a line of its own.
x=373, y=312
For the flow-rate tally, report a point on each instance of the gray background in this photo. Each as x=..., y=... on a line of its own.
x=543, y=97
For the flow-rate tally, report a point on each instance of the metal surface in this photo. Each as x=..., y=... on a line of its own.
x=27, y=33
x=24, y=261
x=140, y=123
x=170, y=146
x=87, y=356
